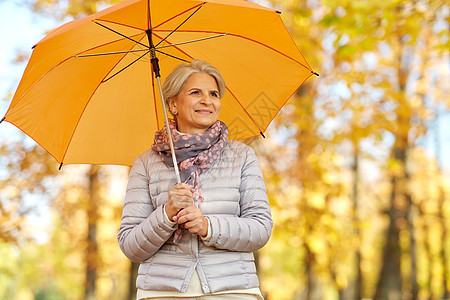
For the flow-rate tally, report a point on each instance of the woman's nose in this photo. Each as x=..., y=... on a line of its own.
x=206, y=99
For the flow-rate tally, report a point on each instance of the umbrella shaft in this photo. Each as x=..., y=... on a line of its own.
x=169, y=134
x=155, y=67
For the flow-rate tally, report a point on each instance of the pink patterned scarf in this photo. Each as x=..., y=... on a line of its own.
x=195, y=154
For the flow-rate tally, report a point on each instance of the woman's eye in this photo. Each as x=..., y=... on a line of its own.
x=215, y=95
x=194, y=93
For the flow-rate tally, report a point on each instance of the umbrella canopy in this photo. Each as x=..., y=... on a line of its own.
x=88, y=94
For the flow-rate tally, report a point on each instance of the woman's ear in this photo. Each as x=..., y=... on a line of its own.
x=172, y=105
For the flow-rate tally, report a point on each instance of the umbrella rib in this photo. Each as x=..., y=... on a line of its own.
x=122, y=35
x=118, y=23
x=198, y=8
x=110, y=53
x=176, y=16
x=177, y=49
x=245, y=38
x=66, y=59
x=193, y=41
x=79, y=54
x=173, y=56
x=126, y=67
x=62, y=62
x=134, y=27
x=84, y=109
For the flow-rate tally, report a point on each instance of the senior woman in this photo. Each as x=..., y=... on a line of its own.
x=195, y=239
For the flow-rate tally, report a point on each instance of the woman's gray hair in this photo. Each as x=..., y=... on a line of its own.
x=175, y=80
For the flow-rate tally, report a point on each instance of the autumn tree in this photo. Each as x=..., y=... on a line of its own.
x=368, y=94
x=76, y=9
x=26, y=172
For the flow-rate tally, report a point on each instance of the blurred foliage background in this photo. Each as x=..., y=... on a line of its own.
x=361, y=204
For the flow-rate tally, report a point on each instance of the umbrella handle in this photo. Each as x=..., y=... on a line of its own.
x=169, y=134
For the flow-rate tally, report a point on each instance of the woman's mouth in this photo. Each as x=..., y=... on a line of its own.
x=203, y=111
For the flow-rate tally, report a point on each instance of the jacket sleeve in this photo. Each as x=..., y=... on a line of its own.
x=251, y=230
x=143, y=229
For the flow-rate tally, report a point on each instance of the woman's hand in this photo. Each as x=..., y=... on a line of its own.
x=193, y=220
x=180, y=196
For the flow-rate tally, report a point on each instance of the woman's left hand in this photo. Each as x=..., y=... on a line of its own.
x=193, y=220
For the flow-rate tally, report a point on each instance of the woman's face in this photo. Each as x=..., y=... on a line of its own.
x=197, y=105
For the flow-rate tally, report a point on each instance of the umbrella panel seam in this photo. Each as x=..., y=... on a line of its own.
x=126, y=67
x=176, y=28
x=200, y=31
x=281, y=106
x=36, y=82
x=192, y=41
x=25, y=132
x=175, y=47
x=243, y=37
x=244, y=109
x=79, y=54
x=87, y=104
x=57, y=65
x=117, y=23
x=152, y=28
x=122, y=35
x=176, y=16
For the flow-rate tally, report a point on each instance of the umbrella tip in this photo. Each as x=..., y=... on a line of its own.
x=60, y=166
x=278, y=12
x=315, y=73
x=2, y=119
x=262, y=134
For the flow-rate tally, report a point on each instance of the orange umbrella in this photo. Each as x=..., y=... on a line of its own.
x=88, y=94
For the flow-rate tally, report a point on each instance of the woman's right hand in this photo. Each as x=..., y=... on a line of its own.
x=181, y=195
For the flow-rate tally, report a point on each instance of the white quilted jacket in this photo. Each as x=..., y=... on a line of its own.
x=236, y=204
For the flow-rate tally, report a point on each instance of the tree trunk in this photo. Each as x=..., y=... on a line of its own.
x=389, y=284
x=132, y=290
x=91, y=254
x=443, y=254
x=309, y=273
x=358, y=279
x=412, y=250
x=428, y=256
